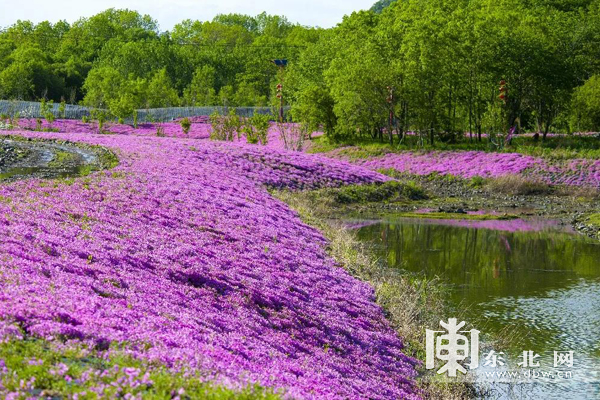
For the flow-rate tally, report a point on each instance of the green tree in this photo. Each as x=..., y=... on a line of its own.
x=585, y=110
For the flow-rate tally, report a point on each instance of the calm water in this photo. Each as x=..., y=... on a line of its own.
x=43, y=153
x=534, y=282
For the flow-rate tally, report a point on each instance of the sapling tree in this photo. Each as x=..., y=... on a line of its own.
x=62, y=109
x=293, y=135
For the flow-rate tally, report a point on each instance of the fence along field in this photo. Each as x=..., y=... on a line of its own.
x=30, y=109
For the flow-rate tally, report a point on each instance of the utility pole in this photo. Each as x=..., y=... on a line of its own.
x=281, y=63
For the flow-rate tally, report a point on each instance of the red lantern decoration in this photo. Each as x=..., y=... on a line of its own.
x=503, y=91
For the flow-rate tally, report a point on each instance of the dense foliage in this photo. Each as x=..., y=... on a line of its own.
x=435, y=67
x=431, y=67
x=120, y=60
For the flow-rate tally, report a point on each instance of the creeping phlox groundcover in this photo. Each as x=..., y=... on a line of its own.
x=200, y=128
x=467, y=164
x=463, y=164
x=181, y=254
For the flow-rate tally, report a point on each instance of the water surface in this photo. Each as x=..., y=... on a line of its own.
x=535, y=283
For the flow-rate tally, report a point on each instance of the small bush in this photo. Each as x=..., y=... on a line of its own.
x=477, y=182
x=594, y=219
x=413, y=191
x=256, y=129
x=62, y=109
x=185, y=125
x=225, y=127
x=517, y=185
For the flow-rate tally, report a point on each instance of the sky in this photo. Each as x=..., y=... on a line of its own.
x=323, y=13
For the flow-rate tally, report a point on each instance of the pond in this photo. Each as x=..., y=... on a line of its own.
x=534, y=283
x=21, y=158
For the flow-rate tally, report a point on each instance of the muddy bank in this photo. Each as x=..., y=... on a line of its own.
x=22, y=158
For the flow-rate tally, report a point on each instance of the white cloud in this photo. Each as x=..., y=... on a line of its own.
x=168, y=13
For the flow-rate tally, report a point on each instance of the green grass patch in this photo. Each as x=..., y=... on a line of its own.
x=594, y=219
x=36, y=368
x=375, y=193
x=61, y=158
x=392, y=191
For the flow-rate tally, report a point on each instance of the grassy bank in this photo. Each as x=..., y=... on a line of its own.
x=411, y=303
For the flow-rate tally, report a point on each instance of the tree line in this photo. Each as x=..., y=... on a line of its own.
x=434, y=67
x=430, y=68
x=119, y=60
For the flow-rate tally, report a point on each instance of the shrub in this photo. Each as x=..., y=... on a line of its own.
x=217, y=131
x=46, y=111
x=62, y=109
x=225, y=127
x=477, y=182
x=517, y=185
x=256, y=129
x=185, y=125
x=594, y=219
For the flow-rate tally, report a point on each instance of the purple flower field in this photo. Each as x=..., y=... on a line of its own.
x=464, y=164
x=181, y=253
x=200, y=129
x=467, y=164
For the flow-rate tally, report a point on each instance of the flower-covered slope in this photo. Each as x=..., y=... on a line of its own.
x=181, y=253
x=467, y=164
